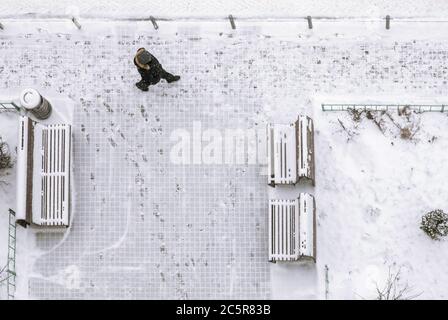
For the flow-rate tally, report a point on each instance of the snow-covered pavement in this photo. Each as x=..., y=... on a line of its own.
x=146, y=227
x=239, y=8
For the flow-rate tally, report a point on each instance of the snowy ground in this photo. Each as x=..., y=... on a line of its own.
x=384, y=183
x=145, y=227
x=239, y=8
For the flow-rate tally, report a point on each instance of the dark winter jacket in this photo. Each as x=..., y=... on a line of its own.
x=155, y=72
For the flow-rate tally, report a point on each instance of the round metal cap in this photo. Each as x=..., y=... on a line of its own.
x=30, y=98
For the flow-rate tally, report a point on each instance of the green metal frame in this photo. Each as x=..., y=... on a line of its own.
x=11, y=262
x=385, y=107
x=9, y=106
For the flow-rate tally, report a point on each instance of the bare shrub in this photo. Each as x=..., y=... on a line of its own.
x=377, y=118
x=403, y=124
x=394, y=289
x=405, y=111
x=349, y=132
x=5, y=156
x=406, y=133
x=435, y=224
x=355, y=114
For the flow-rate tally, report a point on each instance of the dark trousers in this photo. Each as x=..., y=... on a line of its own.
x=152, y=79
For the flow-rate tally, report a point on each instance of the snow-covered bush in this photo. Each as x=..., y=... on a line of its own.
x=5, y=156
x=435, y=224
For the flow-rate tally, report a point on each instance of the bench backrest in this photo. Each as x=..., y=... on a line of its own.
x=292, y=229
x=290, y=152
x=44, y=168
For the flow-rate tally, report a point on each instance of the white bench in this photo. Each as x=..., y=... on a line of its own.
x=43, y=174
x=290, y=152
x=292, y=229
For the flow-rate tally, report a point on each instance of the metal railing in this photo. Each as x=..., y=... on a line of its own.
x=308, y=20
x=11, y=262
x=9, y=106
x=222, y=16
x=386, y=107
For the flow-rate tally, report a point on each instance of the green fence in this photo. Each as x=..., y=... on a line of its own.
x=8, y=106
x=386, y=107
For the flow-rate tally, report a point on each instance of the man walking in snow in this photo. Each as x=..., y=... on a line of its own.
x=151, y=70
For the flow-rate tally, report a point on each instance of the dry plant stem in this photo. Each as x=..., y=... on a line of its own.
x=392, y=290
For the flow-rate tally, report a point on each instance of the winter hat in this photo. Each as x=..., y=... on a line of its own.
x=144, y=57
